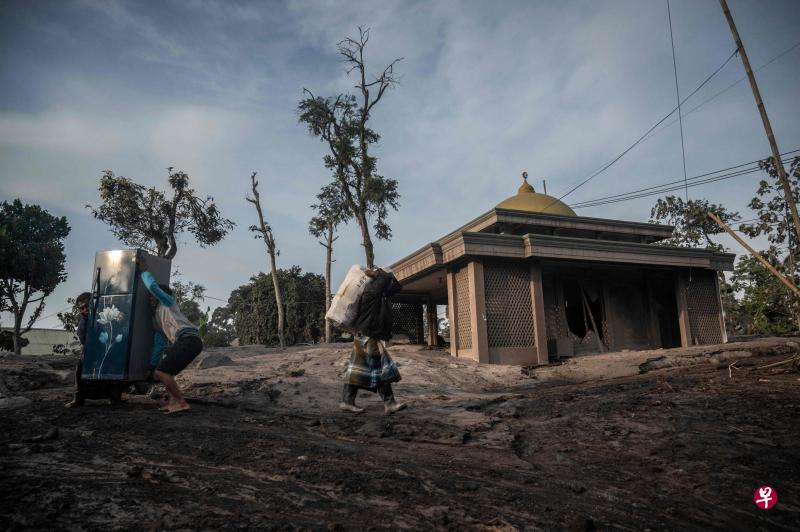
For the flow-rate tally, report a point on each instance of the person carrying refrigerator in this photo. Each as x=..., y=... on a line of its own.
x=176, y=342
x=89, y=390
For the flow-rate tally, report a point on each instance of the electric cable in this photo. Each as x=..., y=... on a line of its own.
x=726, y=89
x=678, y=97
x=641, y=138
x=656, y=188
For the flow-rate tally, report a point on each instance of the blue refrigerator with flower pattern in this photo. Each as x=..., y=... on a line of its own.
x=119, y=335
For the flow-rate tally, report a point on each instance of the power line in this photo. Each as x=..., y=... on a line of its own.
x=580, y=204
x=726, y=89
x=658, y=189
x=640, y=139
x=678, y=97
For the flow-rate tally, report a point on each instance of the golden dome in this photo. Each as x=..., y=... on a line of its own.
x=528, y=200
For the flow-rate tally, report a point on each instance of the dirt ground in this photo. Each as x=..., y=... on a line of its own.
x=659, y=440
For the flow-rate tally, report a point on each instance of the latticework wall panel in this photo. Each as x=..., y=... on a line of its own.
x=554, y=326
x=463, y=319
x=704, y=311
x=509, y=314
x=406, y=319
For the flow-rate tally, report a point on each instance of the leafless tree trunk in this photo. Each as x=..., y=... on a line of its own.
x=266, y=233
x=9, y=290
x=328, y=245
x=364, y=165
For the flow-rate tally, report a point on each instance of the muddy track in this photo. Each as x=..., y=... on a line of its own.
x=673, y=449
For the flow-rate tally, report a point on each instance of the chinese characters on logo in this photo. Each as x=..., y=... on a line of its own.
x=765, y=497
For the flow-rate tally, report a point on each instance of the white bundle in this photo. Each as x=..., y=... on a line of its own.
x=344, y=307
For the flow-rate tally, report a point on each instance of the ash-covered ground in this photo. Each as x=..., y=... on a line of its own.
x=660, y=440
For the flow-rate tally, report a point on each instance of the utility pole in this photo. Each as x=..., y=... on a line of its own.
x=776, y=155
x=755, y=254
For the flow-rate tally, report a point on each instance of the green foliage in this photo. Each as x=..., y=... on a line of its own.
x=189, y=296
x=7, y=341
x=693, y=227
x=766, y=305
x=773, y=219
x=31, y=260
x=254, y=313
x=331, y=209
x=69, y=319
x=145, y=218
x=220, y=331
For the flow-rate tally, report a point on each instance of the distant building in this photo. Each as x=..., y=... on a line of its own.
x=530, y=279
x=44, y=341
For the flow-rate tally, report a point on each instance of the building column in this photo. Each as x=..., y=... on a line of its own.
x=721, y=309
x=433, y=324
x=681, y=285
x=539, y=325
x=452, y=312
x=477, y=302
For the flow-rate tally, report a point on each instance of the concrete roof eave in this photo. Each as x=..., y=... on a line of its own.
x=438, y=254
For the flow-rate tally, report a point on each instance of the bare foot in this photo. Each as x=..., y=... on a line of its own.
x=175, y=408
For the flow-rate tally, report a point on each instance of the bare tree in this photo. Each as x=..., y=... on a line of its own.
x=341, y=122
x=264, y=231
x=331, y=212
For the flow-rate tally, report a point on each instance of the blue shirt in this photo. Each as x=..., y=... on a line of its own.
x=159, y=339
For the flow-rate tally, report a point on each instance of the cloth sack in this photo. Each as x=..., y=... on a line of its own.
x=370, y=365
x=344, y=307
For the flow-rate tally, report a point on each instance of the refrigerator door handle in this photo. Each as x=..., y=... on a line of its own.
x=96, y=290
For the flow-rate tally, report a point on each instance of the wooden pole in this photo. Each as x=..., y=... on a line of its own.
x=754, y=253
x=776, y=154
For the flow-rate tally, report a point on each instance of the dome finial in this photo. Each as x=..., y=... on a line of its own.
x=526, y=187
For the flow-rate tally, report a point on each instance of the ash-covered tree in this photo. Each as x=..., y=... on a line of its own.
x=221, y=331
x=331, y=212
x=31, y=262
x=148, y=218
x=765, y=306
x=760, y=290
x=255, y=316
x=342, y=123
x=264, y=232
x=693, y=227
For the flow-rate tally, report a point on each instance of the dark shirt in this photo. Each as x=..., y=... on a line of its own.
x=81, y=331
x=374, y=308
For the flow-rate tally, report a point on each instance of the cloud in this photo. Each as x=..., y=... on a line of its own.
x=195, y=135
x=59, y=131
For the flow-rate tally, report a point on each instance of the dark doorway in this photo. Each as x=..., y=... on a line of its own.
x=583, y=306
x=665, y=309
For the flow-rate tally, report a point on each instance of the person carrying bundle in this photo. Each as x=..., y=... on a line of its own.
x=370, y=367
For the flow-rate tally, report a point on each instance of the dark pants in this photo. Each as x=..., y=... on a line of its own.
x=350, y=392
x=180, y=354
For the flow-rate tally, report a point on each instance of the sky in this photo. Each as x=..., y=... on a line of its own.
x=487, y=90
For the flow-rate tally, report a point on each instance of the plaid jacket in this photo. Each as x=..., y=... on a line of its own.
x=370, y=365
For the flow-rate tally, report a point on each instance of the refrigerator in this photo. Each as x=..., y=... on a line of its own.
x=119, y=333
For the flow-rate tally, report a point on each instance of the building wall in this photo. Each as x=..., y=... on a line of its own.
x=503, y=312
x=705, y=312
x=493, y=312
x=510, y=335
x=43, y=341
